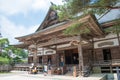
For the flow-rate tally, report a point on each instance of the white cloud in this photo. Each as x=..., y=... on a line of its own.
x=40, y=4
x=11, y=7
x=11, y=30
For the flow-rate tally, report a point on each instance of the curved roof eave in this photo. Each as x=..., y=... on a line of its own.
x=41, y=31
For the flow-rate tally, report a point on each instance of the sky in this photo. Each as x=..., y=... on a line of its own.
x=22, y=17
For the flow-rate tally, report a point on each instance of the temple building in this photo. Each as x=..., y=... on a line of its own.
x=95, y=51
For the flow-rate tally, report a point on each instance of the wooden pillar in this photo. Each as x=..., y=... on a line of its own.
x=33, y=49
x=28, y=56
x=42, y=56
x=57, y=56
x=111, y=71
x=35, y=56
x=93, y=57
x=81, y=65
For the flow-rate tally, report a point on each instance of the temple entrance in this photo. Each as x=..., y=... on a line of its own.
x=30, y=59
x=49, y=61
x=40, y=59
x=71, y=57
x=106, y=54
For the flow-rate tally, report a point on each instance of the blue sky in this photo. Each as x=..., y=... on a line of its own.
x=22, y=17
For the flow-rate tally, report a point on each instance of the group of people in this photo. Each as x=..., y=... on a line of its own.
x=33, y=69
x=46, y=67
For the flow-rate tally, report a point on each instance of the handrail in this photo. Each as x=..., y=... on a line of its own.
x=107, y=62
x=25, y=65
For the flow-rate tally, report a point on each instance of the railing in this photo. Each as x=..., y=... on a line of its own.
x=22, y=65
x=107, y=62
x=5, y=67
x=26, y=67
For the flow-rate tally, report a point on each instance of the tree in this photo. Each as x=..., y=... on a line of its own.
x=73, y=8
x=97, y=6
x=4, y=61
x=4, y=42
x=20, y=52
x=115, y=29
x=77, y=29
x=17, y=60
x=6, y=48
x=4, y=57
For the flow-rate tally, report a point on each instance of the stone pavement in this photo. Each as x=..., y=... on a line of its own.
x=20, y=75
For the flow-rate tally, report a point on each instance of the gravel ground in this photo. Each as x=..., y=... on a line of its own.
x=19, y=75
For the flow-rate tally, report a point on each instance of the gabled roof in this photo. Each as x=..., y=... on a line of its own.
x=50, y=29
x=21, y=45
x=89, y=22
x=110, y=23
x=50, y=19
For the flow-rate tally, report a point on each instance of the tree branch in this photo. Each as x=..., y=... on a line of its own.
x=108, y=7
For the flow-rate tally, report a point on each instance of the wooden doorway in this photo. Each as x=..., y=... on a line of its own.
x=40, y=59
x=71, y=56
x=30, y=60
x=106, y=54
x=49, y=61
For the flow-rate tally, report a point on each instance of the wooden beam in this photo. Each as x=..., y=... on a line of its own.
x=58, y=41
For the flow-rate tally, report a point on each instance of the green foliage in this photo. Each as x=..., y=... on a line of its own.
x=76, y=29
x=115, y=28
x=4, y=56
x=20, y=52
x=17, y=60
x=4, y=60
x=4, y=42
x=63, y=12
x=75, y=7
x=101, y=6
